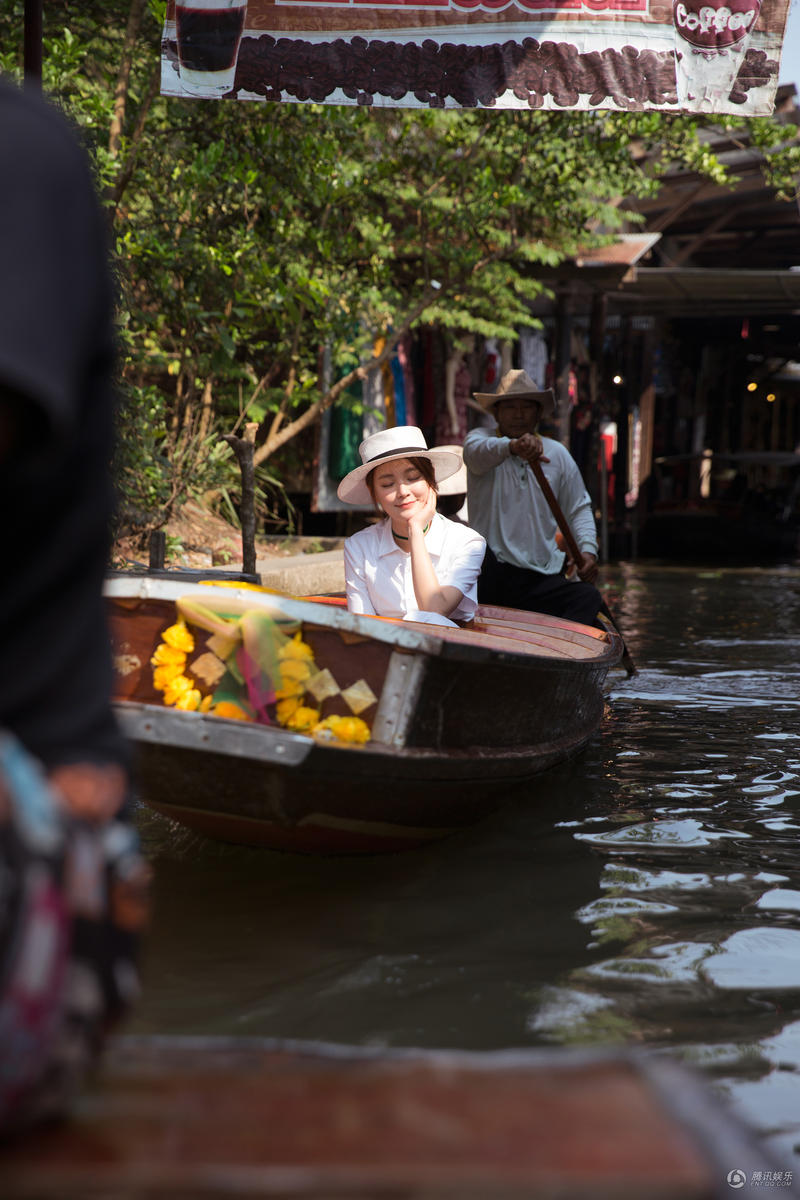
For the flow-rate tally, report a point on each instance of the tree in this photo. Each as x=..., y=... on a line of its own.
x=251, y=236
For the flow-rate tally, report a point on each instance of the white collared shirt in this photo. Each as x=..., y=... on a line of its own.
x=378, y=573
x=507, y=505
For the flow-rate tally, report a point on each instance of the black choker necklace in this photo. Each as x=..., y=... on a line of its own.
x=403, y=538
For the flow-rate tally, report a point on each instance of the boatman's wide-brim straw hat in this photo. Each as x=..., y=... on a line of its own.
x=519, y=385
x=401, y=441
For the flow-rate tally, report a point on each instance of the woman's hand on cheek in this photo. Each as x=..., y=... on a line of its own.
x=424, y=515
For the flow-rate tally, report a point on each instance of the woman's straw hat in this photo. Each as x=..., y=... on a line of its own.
x=401, y=441
x=454, y=485
x=520, y=385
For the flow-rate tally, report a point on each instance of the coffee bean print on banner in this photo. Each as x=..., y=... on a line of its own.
x=470, y=76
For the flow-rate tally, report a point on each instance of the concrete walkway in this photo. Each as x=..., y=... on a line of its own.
x=304, y=574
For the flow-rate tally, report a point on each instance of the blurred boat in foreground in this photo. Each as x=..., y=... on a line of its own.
x=205, y=1118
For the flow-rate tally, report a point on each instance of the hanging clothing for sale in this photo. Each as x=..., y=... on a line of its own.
x=490, y=368
x=533, y=355
x=387, y=381
x=399, y=386
x=346, y=435
x=374, y=403
x=404, y=357
x=452, y=419
x=428, y=414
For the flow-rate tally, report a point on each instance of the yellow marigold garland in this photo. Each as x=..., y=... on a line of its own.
x=296, y=648
x=294, y=669
x=168, y=656
x=344, y=729
x=163, y=676
x=189, y=700
x=169, y=665
x=296, y=666
x=234, y=712
x=285, y=709
x=303, y=719
x=179, y=637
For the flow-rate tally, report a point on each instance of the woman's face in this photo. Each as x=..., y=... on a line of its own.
x=399, y=488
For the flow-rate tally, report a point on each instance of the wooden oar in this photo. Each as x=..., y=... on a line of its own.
x=575, y=553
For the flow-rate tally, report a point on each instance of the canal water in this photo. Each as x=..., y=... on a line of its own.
x=645, y=894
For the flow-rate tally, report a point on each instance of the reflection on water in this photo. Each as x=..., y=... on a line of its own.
x=647, y=893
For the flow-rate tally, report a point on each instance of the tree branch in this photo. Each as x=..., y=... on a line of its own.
x=123, y=76
x=280, y=438
x=126, y=173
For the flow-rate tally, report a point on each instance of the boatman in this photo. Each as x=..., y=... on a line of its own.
x=73, y=886
x=525, y=567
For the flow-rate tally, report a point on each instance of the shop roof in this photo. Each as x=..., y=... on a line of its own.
x=685, y=291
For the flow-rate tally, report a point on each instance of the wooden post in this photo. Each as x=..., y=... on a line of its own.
x=563, y=343
x=593, y=479
x=603, y=502
x=32, y=50
x=243, y=448
x=621, y=458
x=158, y=550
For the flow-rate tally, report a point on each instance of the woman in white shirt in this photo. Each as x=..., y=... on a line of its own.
x=414, y=564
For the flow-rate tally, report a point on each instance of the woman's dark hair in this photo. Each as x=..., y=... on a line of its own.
x=423, y=465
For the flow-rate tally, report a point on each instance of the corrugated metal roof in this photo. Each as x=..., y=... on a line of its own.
x=682, y=291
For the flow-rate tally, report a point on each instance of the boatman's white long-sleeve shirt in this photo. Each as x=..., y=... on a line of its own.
x=506, y=504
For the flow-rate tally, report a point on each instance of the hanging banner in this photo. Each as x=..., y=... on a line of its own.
x=702, y=56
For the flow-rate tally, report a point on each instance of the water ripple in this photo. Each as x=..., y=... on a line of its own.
x=646, y=893
x=747, y=689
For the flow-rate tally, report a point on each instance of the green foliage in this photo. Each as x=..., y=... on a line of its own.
x=249, y=237
x=142, y=470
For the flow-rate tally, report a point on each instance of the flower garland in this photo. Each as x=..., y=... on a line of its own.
x=191, y=687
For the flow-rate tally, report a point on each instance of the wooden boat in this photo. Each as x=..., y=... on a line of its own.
x=214, y=1117
x=459, y=718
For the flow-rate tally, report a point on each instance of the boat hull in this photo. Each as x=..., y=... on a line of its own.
x=337, y=799
x=316, y=1121
x=462, y=722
